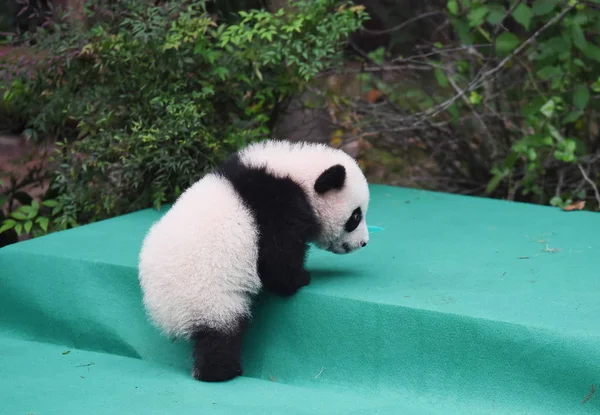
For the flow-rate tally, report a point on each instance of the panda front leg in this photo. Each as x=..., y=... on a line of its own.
x=217, y=353
x=281, y=267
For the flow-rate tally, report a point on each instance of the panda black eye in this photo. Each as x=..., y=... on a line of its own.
x=355, y=218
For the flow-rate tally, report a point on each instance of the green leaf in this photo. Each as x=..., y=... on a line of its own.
x=570, y=145
x=548, y=108
x=592, y=52
x=555, y=133
x=18, y=215
x=452, y=6
x=580, y=19
x=548, y=72
x=552, y=47
x=258, y=73
x=19, y=228
x=506, y=43
x=494, y=17
x=440, y=76
x=572, y=117
x=523, y=15
x=556, y=201
x=578, y=37
x=564, y=156
x=222, y=72
x=50, y=203
x=581, y=96
x=543, y=7
x=3, y=200
x=463, y=30
x=475, y=98
x=453, y=111
x=28, y=226
x=496, y=180
x=7, y=224
x=476, y=16
x=30, y=211
x=43, y=222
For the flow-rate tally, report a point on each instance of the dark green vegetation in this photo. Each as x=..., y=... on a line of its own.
x=500, y=98
x=146, y=99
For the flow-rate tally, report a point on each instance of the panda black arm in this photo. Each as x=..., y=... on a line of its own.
x=286, y=227
x=281, y=263
x=285, y=221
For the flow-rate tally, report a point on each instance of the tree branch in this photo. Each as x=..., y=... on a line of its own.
x=403, y=24
x=591, y=183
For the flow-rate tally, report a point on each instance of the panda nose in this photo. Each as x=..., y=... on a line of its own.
x=363, y=244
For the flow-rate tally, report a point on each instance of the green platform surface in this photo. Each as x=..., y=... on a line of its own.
x=459, y=305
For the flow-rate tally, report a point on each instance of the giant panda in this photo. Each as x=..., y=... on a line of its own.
x=241, y=228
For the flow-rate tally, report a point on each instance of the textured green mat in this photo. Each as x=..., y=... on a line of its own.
x=458, y=305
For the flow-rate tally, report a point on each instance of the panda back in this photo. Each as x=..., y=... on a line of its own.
x=198, y=263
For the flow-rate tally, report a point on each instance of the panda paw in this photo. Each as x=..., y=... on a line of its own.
x=290, y=286
x=217, y=371
x=303, y=278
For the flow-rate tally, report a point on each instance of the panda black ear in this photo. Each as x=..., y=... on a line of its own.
x=332, y=178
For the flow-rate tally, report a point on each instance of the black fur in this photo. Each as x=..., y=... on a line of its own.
x=286, y=222
x=354, y=220
x=217, y=354
x=332, y=178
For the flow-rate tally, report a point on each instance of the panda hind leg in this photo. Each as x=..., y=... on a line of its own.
x=217, y=354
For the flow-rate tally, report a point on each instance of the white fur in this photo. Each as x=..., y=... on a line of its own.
x=198, y=263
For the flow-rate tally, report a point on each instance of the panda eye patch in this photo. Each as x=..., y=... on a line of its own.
x=354, y=220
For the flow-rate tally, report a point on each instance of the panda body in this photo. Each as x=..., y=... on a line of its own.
x=199, y=262
x=242, y=228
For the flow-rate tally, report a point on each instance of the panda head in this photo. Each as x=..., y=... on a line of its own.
x=333, y=181
x=341, y=199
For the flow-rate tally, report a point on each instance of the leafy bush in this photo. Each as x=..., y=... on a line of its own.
x=504, y=100
x=21, y=214
x=147, y=99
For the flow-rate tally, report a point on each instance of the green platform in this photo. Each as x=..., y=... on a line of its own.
x=458, y=306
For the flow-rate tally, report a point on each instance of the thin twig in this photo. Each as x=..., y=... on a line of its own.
x=381, y=68
x=467, y=48
x=590, y=395
x=320, y=372
x=401, y=25
x=591, y=182
x=559, y=185
x=450, y=77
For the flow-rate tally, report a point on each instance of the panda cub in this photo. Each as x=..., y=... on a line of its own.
x=243, y=227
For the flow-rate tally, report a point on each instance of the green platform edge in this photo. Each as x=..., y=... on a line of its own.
x=460, y=305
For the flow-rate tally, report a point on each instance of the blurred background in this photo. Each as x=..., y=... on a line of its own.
x=108, y=106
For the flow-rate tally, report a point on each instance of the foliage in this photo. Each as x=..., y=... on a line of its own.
x=148, y=98
x=506, y=100
x=31, y=219
x=563, y=72
x=21, y=214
